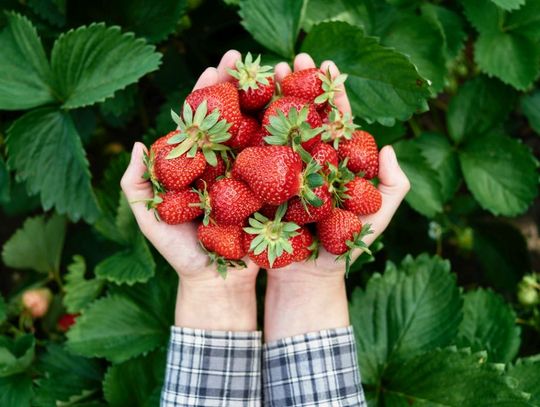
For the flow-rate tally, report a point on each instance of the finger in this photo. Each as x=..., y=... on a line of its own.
x=228, y=61
x=208, y=78
x=393, y=187
x=303, y=61
x=281, y=71
x=340, y=99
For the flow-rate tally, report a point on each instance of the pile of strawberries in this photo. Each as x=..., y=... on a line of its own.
x=268, y=171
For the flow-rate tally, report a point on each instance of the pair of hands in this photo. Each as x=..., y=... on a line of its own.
x=179, y=244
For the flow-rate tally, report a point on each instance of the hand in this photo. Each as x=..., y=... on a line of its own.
x=206, y=300
x=310, y=296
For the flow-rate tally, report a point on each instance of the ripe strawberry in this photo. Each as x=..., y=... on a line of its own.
x=300, y=214
x=232, y=202
x=269, y=211
x=312, y=85
x=361, y=198
x=208, y=177
x=273, y=173
x=177, y=173
x=257, y=139
x=255, y=83
x=337, y=127
x=224, y=98
x=225, y=241
x=161, y=142
x=175, y=207
x=66, y=321
x=283, y=125
x=248, y=130
x=324, y=155
x=362, y=154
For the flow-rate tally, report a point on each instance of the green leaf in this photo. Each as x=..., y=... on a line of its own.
x=479, y=106
x=16, y=355
x=527, y=372
x=122, y=103
x=450, y=377
x=348, y=11
x=404, y=312
x=420, y=39
x=46, y=152
x=273, y=23
x=525, y=21
x=442, y=158
x=134, y=382
x=425, y=195
x=482, y=14
x=3, y=310
x=54, y=11
x=16, y=391
x=509, y=4
x=117, y=329
x=383, y=85
x=452, y=28
x=5, y=182
x=79, y=291
x=501, y=174
x=25, y=75
x=530, y=106
x=37, y=245
x=132, y=265
x=91, y=63
x=489, y=323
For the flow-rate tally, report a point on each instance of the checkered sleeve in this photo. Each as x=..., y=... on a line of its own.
x=316, y=369
x=212, y=368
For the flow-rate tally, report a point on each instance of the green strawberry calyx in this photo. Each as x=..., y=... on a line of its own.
x=330, y=87
x=199, y=131
x=250, y=74
x=355, y=243
x=337, y=179
x=311, y=179
x=271, y=235
x=339, y=127
x=223, y=264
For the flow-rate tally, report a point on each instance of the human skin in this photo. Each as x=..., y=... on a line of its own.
x=300, y=298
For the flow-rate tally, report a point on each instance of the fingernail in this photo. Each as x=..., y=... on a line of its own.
x=134, y=150
x=391, y=158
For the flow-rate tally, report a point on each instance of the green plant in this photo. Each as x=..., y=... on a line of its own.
x=452, y=85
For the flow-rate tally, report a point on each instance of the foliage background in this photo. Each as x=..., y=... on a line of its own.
x=453, y=85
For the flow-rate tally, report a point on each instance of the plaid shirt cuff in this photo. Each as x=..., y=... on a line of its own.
x=212, y=368
x=316, y=369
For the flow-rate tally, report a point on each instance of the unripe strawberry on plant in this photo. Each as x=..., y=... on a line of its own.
x=361, y=197
x=255, y=83
x=37, y=301
x=176, y=207
x=66, y=321
x=361, y=153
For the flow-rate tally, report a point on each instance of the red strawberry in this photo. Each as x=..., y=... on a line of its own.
x=362, y=197
x=224, y=98
x=208, y=177
x=177, y=173
x=248, y=130
x=269, y=211
x=257, y=139
x=273, y=173
x=339, y=227
x=324, y=155
x=297, y=213
x=66, y=321
x=225, y=241
x=255, y=83
x=232, y=202
x=177, y=207
x=162, y=142
x=362, y=154
x=289, y=127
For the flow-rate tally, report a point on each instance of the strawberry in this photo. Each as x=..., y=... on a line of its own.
x=175, y=207
x=324, y=154
x=269, y=211
x=161, y=142
x=291, y=121
x=232, y=202
x=210, y=174
x=362, y=154
x=338, y=127
x=301, y=214
x=255, y=83
x=177, y=173
x=361, y=198
x=66, y=321
x=225, y=241
x=257, y=139
x=248, y=130
x=312, y=85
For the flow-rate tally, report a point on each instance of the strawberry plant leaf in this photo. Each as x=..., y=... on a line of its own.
x=442, y=158
x=79, y=291
x=37, y=245
x=501, y=173
x=530, y=106
x=91, y=63
x=482, y=14
x=383, y=85
x=16, y=390
x=5, y=181
x=489, y=323
x=525, y=21
x=404, y=312
x=54, y=11
x=527, y=372
x=452, y=28
x=45, y=150
x=121, y=104
x=16, y=354
x=273, y=23
x=349, y=11
x=425, y=195
x=509, y=4
x=117, y=329
x=3, y=310
x=449, y=377
x=25, y=75
x=479, y=106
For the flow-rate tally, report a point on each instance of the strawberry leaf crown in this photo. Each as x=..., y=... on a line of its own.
x=223, y=264
x=338, y=177
x=338, y=127
x=311, y=179
x=199, y=131
x=330, y=87
x=250, y=73
x=148, y=160
x=355, y=243
x=204, y=203
x=271, y=235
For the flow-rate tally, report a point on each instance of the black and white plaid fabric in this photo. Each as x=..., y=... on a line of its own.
x=316, y=369
x=207, y=368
